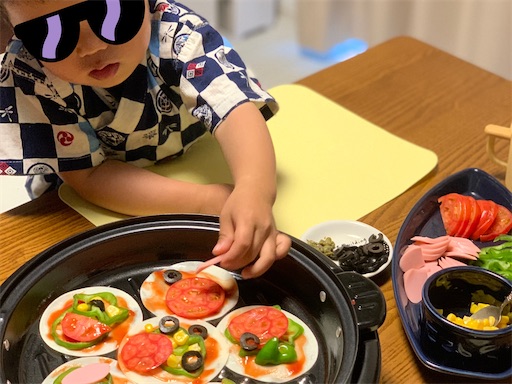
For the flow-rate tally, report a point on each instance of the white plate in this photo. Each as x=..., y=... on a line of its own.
x=346, y=232
x=110, y=343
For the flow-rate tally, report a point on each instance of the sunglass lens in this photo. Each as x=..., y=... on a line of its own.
x=117, y=21
x=48, y=39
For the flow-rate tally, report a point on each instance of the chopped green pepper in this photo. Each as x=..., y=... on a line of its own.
x=497, y=258
x=108, y=316
x=275, y=352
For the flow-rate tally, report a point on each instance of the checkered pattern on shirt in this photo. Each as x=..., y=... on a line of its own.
x=188, y=84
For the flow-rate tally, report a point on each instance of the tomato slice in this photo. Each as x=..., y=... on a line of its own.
x=488, y=212
x=501, y=225
x=452, y=210
x=471, y=217
x=195, y=297
x=264, y=322
x=82, y=328
x=146, y=351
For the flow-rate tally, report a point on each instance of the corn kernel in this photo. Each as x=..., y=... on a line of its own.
x=83, y=307
x=174, y=361
x=194, y=347
x=181, y=337
x=112, y=310
x=148, y=328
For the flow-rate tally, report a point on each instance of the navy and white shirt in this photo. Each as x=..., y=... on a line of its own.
x=187, y=85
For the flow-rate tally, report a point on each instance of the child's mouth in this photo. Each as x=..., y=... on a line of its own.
x=106, y=72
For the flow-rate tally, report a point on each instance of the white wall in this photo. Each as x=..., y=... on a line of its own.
x=478, y=31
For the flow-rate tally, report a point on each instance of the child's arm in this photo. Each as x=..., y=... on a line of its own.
x=247, y=227
x=127, y=189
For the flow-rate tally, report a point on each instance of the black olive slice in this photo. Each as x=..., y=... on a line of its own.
x=168, y=324
x=191, y=361
x=376, y=238
x=98, y=303
x=376, y=248
x=249, y=341
x=171, y=276
x=199, y=330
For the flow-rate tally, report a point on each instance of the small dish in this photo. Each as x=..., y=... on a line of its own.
x=347, y=232
x=450, y=292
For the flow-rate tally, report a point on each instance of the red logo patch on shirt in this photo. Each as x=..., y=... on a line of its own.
x=65, y=138
x=195, y=69
x=6, y=169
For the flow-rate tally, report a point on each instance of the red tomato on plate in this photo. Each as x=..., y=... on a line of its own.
x=452, y=211
x=195, y=297
x=471, y=217
x=488, y=213
x=264, y=322
x=146, y=351
x=501, y=225
x=82, y=328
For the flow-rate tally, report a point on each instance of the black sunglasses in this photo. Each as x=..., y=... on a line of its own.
x=54, y=37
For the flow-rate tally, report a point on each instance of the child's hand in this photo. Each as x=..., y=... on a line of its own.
x=248, y=236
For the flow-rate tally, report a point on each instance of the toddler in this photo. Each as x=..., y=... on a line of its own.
x=93, y=91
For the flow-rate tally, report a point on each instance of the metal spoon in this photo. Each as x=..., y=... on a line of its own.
x=492, y=310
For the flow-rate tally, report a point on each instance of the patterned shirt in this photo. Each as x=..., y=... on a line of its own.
x=187, y=85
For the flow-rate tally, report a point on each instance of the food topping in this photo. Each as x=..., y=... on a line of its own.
x=249, y=341
x=497, y=258
x=195, y=297
x=464, y=216
x=427, y=255
x=92, y=373
x=488, y=324
x=146, y=351
x=192, y=360
x=264, y=322
x=171, y=276
x=88, y=321
x=265, y=333
x=168, y=324
x=363, y=258
x=198, y=329
x=325, y=245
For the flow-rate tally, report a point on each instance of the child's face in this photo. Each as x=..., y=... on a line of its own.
x=93, y=61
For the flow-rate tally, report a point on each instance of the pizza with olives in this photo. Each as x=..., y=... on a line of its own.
x=172, y=350
x=88, y=321
x=179, y=291
x=268, y=344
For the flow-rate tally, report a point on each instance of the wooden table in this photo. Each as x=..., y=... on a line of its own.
x=409, y=88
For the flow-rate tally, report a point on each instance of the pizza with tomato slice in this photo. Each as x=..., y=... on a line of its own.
x=172, y=350
x=268, y=344
x=179, y=291
x=89, y=321
x=95, y=369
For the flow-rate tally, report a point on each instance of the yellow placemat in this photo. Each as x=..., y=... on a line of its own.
x=332, y=164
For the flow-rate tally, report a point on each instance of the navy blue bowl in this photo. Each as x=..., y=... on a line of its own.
x=449, y=291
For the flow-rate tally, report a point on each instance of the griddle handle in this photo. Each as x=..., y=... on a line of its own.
x=366, y=298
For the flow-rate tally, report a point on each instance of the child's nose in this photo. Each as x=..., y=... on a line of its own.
x=88, y=42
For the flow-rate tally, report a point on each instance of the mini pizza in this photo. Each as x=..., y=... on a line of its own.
x=89, y=321
x=172, y=350
x=87, y=370
x=268, y=344
x=179, y=291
